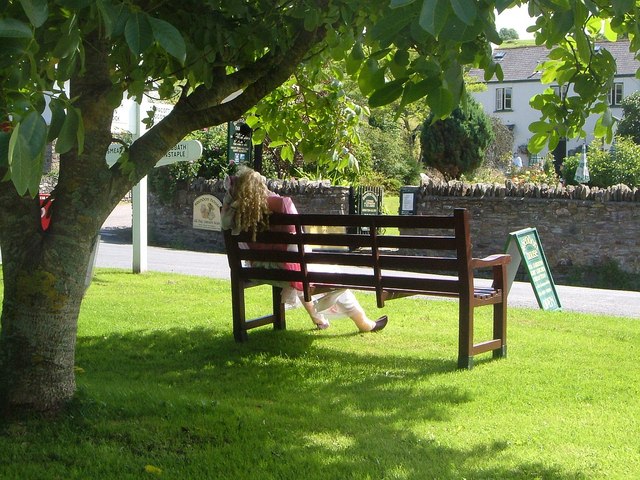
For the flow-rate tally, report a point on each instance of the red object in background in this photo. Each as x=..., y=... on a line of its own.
x=45, y=212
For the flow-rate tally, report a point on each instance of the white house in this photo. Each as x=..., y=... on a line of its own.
x=509, y=100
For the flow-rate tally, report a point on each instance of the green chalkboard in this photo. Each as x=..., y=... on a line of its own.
x=524, y=245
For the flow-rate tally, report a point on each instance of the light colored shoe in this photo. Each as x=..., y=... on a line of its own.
x=321, y=322
x=323, y=326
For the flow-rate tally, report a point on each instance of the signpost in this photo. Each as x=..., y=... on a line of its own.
x=239, y=144
x=525, y=245
x=185, y=151
x=127, y=119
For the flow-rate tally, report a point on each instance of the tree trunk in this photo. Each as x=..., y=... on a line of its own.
x=43, y=289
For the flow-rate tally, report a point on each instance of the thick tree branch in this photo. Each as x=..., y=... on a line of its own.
x=258, y=80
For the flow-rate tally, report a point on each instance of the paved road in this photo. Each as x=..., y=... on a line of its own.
x=115, y=251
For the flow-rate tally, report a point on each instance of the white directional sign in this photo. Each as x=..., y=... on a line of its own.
x=185, y=151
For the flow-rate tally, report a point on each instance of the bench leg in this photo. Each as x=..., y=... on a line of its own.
x=465, y=332
x=465, y=363
x=500, y=328
x=237, y=307
x=279, y=319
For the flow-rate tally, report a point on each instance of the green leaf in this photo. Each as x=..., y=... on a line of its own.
x=609, y=33
x=434, y=15
x=67, y=44
x=415, y=91
x=71, y=132
x=36, y=10
x=457, y=31
x=584, y=47
x=169, y=38
x=58, y=116
x=441, y=102
x=287, y=153
x=108, y=14
x=502, y=5
x=563, y=21
x=138, y=33
x=387, y=94
x=12, y=28
x=553, y=140
x=607, y=118
x=26, y=153
x=354, y=60
x=400, y=3
x=622, y=6
x=387, y=29
x=537, y=142
x=465, y=10
x=371, y=77
x=540, y=127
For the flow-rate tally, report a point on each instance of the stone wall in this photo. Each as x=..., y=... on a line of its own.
x=171, y=225
x=578, y=226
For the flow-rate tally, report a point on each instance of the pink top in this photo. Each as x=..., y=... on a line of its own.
x=280, y=204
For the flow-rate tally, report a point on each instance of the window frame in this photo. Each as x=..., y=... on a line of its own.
x=615, y=97
x=504, y=99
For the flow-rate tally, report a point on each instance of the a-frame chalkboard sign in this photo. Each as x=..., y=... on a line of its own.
x=525, y=245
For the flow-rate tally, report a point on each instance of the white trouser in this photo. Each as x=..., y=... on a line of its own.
x=337, y=303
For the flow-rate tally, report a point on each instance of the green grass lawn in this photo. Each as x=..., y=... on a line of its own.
x=165, y=392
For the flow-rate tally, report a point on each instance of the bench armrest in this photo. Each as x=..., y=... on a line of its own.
x=491, y=261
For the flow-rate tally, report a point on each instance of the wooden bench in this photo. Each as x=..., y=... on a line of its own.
x=432, y=256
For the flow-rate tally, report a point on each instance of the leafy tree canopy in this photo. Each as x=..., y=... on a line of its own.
x=509, y=34
x=199, y=52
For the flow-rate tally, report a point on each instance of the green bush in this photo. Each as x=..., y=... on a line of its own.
x=385, y=158
x=620, y=164
x=456, y=145
x=629, y=126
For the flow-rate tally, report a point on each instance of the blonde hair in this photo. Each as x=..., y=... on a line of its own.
x=250, y=202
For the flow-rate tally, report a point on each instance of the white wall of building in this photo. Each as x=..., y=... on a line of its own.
x=522, y=114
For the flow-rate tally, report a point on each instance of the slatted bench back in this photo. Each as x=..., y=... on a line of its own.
x=431, y=256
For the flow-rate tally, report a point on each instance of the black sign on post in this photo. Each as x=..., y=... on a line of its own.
x=239, y=145
x=525, y=245
x=368, y=201
x=408, y=204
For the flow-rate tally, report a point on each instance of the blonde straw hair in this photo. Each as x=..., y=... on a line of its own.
x=250, y=202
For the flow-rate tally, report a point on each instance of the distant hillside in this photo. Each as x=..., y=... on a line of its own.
x=530, y=42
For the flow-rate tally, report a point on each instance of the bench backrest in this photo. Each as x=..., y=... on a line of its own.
x=431, y=256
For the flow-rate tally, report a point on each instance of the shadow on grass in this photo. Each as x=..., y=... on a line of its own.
x=280, y=406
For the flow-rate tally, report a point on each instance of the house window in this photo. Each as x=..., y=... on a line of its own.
x=615, y=94
x=503, y=99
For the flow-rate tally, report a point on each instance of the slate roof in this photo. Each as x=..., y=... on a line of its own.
x=519, y=63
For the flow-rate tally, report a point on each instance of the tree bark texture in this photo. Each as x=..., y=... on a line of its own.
x=43, y=277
